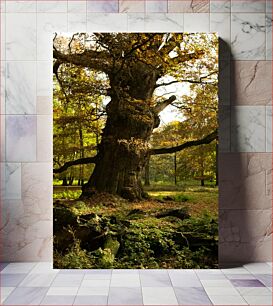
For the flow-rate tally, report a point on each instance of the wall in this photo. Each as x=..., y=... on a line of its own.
x=245, y=112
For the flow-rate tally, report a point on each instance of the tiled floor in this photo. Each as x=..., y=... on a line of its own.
x=39, y=284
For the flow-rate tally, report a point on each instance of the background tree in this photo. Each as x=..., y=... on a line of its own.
x=200, y=117
x=78, y=111
x=134, y=65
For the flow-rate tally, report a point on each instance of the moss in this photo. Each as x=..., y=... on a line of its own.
x=112, y=244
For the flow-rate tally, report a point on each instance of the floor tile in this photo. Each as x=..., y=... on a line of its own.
x=254, y=291
x=205, y=271
x=154, y=280
x=240, y=276
x=185, y=281
x=62, y=291
x=38, y=280
x=221, y=291
x=64, y=280
x=238, y=270
x=259, y=300
x=58, y=300
x=5, y=292
x=246, y=283
x=209, y=276
x=99, y=271
x=11, y=280
x=17, y=268
x=3, y=265
x=159, y=296
x=72, y=271
x=216, y=283
x=90, y=300
x=158, y=271
x=192, y=296
x=95, y=283
x=96, y=276
x=125, y=271
x=204, y=274
x=182, y=272
x=130, y=280
x=43, y=267
x=93, y=291
x=227, y=300
x=258, y=268
x=125, y=296
x=265, y=279
x=26, y=296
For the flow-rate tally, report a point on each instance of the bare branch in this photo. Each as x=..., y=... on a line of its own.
x=166, y=84
x=188, y=81
x=80, y=161
x=159, y=107
x=206, y=140
x=71, y=40
x=208, y=75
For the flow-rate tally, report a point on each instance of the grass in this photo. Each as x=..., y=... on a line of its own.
x=67, y=194
x=181, y=185
x=197, y=199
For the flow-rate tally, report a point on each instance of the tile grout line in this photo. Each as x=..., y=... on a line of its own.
x=203, y=286
x=74, y=300
x=141, y=289
x=107, y=300
x=175, y=294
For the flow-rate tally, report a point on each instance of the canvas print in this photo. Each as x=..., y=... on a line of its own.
x=135, y=150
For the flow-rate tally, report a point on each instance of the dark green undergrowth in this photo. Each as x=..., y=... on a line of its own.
x=109, y=232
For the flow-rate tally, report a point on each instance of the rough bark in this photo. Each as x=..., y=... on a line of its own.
x=124, y=148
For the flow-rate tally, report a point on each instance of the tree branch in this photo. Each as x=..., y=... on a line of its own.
x=80, y=161
x=90, y=58
x=166, y=84
x=188, y=81
x=159, y=107
x=206, y=140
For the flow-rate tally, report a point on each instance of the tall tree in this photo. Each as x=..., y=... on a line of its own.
x=135, y=65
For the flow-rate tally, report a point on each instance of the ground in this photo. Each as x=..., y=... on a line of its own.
x=175, y=228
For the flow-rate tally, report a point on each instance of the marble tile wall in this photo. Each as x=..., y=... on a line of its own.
x=245, y=115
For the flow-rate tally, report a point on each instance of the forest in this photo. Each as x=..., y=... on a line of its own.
x=135, y=178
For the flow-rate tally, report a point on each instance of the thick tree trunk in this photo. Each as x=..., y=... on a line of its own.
x=123, y=150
